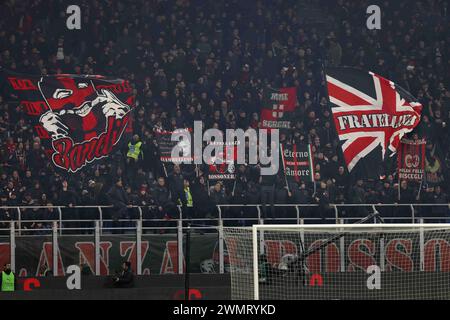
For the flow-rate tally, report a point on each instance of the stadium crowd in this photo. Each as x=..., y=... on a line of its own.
x=210, y=60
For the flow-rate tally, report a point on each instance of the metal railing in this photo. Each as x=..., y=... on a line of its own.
x=138, y=230
x=225, y=214
x=413, y=207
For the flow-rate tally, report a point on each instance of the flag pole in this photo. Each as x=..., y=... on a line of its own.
x=315, y=187
x=420, y=189
x=399, y=159
x=311, y=164
x=284, y=167
x=422, y=148
x=165, y=170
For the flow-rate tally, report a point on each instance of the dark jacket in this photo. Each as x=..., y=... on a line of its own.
x=176, y=184
x=388, y=195
x=125, y=279
x=440, y=198
x=118, y=197
x=357, y=195
x=67, y=197
x=217, y=197
x=162, y=196
x=200, y=194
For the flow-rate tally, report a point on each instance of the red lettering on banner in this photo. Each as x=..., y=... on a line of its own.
x=22, y=84
x=361, y=254
x=398, y=255
x=73, y=156
x=46, y=259
x=316, y=279
x=194, y=294
x=87, y=255
x=332, y=258
x=232, y=247
x=276, y=249
x=34, y=108
x=116, y=88
x=129, y=248
x=30, y=284
x=170, y=258
x=433, y=249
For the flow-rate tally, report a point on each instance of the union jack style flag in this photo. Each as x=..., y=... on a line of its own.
x=369, y=111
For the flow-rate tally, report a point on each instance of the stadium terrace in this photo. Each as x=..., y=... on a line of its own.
x=225, y=150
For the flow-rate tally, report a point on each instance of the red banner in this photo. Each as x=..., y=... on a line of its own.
x=411, y=160
x=278, y=105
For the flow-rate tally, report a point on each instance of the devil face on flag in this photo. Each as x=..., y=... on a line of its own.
x=81, y=119
x=369, y=112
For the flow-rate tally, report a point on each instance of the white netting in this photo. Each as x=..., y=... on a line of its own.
x=340, y=262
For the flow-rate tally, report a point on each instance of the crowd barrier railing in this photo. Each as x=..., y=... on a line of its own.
x=337, y=209
x=98, y=226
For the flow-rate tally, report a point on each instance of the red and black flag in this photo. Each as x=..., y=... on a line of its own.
x=79, y=118
x=278, y=107
x=371, y=114
x=411, y=160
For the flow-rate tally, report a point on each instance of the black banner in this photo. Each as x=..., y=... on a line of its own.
x=297, y=160
x=34, y=254
x=166, y=146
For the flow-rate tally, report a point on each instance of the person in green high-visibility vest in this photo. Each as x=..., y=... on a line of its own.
x=185, y=199
x=8, y=280
x=134, y=155
x=134, y=148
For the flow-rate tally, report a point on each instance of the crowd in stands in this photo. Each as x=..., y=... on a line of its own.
x=210, y=60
